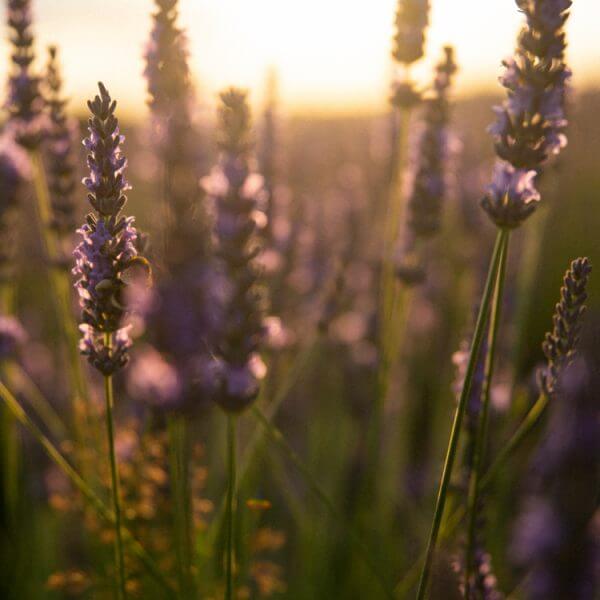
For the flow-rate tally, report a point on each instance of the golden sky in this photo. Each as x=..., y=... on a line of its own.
x=329, y=54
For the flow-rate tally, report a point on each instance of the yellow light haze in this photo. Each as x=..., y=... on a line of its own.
x=331, y=55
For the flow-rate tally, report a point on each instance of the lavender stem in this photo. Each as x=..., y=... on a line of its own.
x=114, y=474
x=483, y=425
x=497, y=256
x=231, y=487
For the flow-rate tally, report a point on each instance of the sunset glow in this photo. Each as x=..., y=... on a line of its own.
x=331, y=55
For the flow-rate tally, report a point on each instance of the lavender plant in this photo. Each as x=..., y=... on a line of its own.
x=106, y=252
x=60, y=157
x=555, y=537
x=427, y=175
x=235, y=192
x=528, y=130
x=24, y=104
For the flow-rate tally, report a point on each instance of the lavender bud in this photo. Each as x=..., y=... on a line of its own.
x=236, y=194
x=108, y=248
x=106, y=182
x=512, y=195
x=560, y=344
x=25, y=103
x=59, y=152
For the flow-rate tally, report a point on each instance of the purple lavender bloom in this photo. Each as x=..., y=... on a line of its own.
x=25, y=104
x=530, y=124
x=59, y=152
x=428, y=185
x=235, y=193
x=108, y=246
x=12, y=335
x=512, y=196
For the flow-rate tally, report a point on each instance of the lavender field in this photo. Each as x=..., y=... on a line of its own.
x=252, y=351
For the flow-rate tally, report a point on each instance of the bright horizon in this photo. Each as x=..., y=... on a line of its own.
x=330, y=55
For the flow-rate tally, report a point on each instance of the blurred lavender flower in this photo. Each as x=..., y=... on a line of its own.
x=236, y=194
x=184, y=221
x=14, y=170
x=428, y=181
x=12, y=335
x=556, y=537
x=560, y=344
x=108, y=247
x=60, y=152
x=530, y=123
x=27, y=122
x=412, y=18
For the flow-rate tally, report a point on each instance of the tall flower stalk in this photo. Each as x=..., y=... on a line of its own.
x=528, y=130
x=235, y=192
x=107, y=250
x=181, y=312
x=555, y=536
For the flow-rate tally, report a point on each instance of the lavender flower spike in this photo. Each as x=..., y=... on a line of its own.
x=560, y=344
x=24, y=103
x=108, y=247
x=60, y=155
x=530, y=123
x=236, y=194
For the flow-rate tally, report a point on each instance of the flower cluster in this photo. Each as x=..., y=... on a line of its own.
x=108, y=248
x=530, y=124
x=236, y=194
x=24, y=103
x=59, y=152
x=561, y=343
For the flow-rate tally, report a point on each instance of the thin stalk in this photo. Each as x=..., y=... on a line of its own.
x=301, y=365
x=38, y=402
x=483, y=425
x=92, y=498
x=181, y=514
x=114, y=474
x=530, y=420
x=276, y=436
x=229, y=550
x=61, y=289
x=501, y=238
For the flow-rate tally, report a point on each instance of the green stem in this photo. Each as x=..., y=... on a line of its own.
x=531, y=419
x=483, y=425
x=276, y=436
x=181, y=509
x=61, y=291
x=231, y=487
x=301, y=365
x=114, y=474
x=501, y=239
x=16, y=375
x=94, y=501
